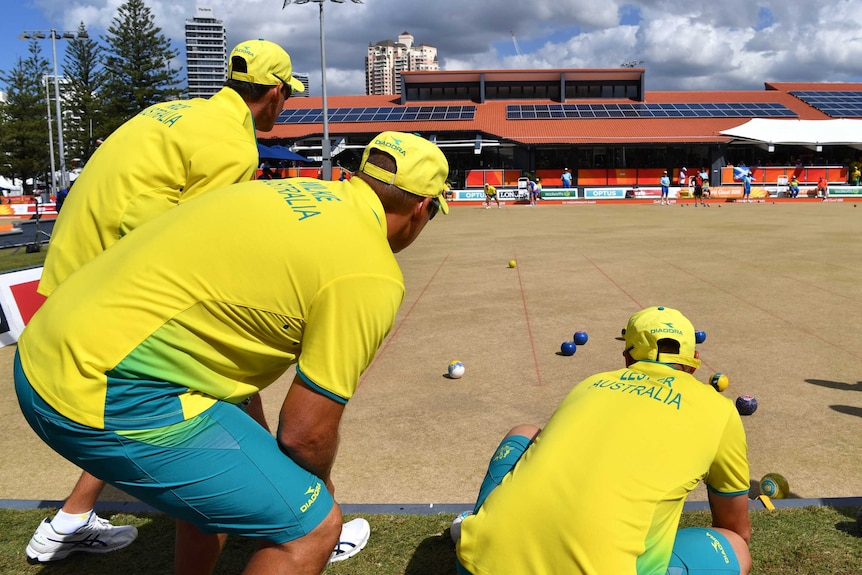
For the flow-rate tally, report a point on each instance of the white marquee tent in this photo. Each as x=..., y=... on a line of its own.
x=842, y=132
x=10, y=187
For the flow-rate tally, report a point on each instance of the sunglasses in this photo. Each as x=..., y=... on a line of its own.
x=433, y=208
x=286, y=90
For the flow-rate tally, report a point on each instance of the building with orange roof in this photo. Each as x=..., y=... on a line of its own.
x=600, y=123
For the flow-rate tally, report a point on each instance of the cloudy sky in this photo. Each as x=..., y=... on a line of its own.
x=683, y=44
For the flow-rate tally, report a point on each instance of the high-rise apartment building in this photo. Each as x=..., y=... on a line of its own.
x=206, y=54
x=387, y=59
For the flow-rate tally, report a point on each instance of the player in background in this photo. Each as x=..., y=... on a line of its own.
x=535, y=188
x=490, y=194
x=747, y=178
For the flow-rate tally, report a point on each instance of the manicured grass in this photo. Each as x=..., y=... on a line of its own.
x=11, y=259
x=810, y=540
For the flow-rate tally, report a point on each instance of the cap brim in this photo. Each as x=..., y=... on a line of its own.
x=444, y=206
x=296, y=85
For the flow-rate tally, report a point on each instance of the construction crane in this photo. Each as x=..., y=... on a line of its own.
x=515, y=42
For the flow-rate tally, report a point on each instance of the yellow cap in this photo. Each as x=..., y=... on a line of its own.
x=648, y=326
x=421, y=168
x=266, y=63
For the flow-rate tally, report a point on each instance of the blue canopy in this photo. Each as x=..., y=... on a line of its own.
x=278, y=153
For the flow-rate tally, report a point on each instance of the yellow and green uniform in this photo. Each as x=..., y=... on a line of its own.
x=602, y=487
x=490, y=191
x=214, y=300
x=167, y=154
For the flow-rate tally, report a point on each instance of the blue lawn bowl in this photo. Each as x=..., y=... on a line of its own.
x=568, y=348
x=746, y=404
x=580, y=337
x=699, y=336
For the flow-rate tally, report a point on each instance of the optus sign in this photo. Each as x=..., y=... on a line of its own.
x=468, y=195
x=604, y=193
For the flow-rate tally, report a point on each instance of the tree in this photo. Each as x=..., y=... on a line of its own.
x=83, y=96
x=24, y=137
x=138, y=69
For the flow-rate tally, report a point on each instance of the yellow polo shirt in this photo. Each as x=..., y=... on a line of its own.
x=167, y=154
x=214, y=300
x=602, y=488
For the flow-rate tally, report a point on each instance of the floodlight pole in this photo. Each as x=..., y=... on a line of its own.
x=55, y=35
x=326, y=157
x=50, y=132
x=326, y=148
x=62, y=150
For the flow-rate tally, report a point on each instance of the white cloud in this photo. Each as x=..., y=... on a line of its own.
x=735, y=44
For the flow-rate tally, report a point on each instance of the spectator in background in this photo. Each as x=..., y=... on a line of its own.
x=566, y=178
x=266, y=173
x=822, y=189
x=683, y=178
x=61, y=197
x=797, y=171
x=855, y=175
x=793, y=186
x=664, y=182
x=447, y=191
x=343, y=173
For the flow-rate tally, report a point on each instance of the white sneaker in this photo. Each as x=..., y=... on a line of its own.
x=97, y=536
x=354, y=537
x=455, y=529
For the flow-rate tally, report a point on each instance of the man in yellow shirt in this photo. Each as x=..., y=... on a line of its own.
x=135, y=367
x=164, y=156
x=490, y=194
x=793, y=187
x=601, y=488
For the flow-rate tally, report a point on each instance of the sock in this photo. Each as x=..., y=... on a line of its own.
x=65, y=523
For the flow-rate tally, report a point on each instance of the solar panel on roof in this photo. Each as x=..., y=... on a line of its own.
x=642, y=110
x=377, y=114
x=835, y=104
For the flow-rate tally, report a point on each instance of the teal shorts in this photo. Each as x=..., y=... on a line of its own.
x=702, y=551
x=221, y=471
x=502, y=462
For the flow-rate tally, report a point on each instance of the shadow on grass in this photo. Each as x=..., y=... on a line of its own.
x=847, y=410
x=854, y=526
x=836, y=384
x=434, y=555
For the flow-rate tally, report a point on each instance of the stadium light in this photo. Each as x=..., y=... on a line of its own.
x=326, y=157
x=55, y=35
x=50, y=132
